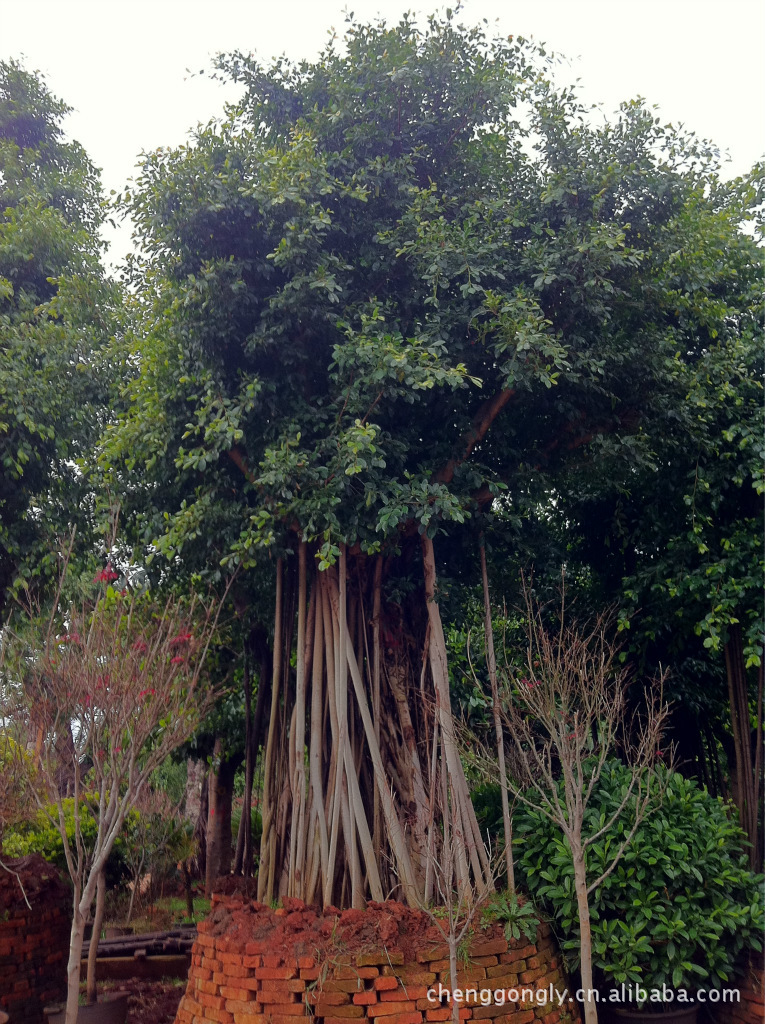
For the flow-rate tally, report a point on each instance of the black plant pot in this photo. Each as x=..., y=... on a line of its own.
x=685, y=1014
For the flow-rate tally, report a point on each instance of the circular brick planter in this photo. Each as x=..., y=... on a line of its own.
x=254, y=965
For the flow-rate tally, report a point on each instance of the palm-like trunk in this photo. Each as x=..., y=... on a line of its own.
x=361, y=758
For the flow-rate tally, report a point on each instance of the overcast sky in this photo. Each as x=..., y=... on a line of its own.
x=124, y=64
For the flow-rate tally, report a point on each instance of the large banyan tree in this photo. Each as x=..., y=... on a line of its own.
x=387, y=290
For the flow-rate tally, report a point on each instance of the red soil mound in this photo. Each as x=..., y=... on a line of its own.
x=298, y=930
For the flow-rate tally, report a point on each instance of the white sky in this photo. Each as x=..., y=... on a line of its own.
x=122, y=64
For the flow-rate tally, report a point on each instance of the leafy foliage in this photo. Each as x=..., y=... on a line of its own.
x=56, y=314
x=41, y=835
x=518, y=918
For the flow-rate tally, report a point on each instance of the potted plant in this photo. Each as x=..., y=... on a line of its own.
x=677, y=910
x=111, y=1009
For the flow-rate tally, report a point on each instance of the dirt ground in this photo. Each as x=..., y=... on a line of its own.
x=150, y=1002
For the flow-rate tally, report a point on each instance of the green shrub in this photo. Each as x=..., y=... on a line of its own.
x=40, y=835
x=679, y=906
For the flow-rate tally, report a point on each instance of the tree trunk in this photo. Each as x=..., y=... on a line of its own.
x=746, y=786
x=98, y=921
x=221, y=792
x=76, y=937
x=244, y=834
x=344, y=704
x=585, y=932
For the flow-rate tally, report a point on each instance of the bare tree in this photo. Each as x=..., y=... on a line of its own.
x=566, y=717
x=105, y=689
x=457, y=903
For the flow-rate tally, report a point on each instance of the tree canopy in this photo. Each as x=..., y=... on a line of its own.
x=407, y=294
x=56, y=315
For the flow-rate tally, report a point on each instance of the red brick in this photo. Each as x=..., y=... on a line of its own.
x=410, y=991
x=235, y=970
x=304, y=962
x=343, y=985
x=437, y=952
x=282, y=985
x=519, y=1017
x=214, y=1002
x=526, y=977
x=343, y=1012
x=385, y=984
x=241, y=1006
x=387, y=1009
x=465, y=976
x=376, y=959
x=310, y=973
x=365, y=998
x=329, y=998
x=220, y=1016
x=287, y=1009
x=405, y=1018
x=488, y=948
x=415, y=977
x=275, y=996
x=517, y=952
x=503, y=969
x=490, y=1011
x=393, y=995
x=275, y=972
x=242, y=994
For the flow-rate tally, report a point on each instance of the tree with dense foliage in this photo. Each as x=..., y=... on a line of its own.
x=56, y=314
x=390, y=290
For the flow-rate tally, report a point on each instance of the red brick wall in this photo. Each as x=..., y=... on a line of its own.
x=33, y=943
x=751, y=1007
x=234, y=980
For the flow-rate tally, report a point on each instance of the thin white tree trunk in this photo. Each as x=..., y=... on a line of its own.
x=585, y=932
x=98, y=920
x=469, y=839
x=297, y=831
x=268, y=836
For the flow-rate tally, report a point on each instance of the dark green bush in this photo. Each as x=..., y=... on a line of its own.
x=678, y=907
x=40, y=835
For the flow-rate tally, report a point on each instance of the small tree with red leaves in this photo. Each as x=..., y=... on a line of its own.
x=566, y=712
x=104, y=688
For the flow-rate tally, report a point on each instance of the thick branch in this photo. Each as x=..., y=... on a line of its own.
x=482, y=421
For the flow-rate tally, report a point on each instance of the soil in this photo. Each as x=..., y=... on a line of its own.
x=150, y=1002
x=296, y=929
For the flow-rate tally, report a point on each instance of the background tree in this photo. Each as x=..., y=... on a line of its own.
x=56, y=315
x=386, y=288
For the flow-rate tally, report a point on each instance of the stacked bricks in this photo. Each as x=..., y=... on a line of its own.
x=750, y=1009
x=234, y=981
x=33, y=943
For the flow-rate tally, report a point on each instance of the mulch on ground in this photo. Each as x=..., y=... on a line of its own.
x=150, y=1002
